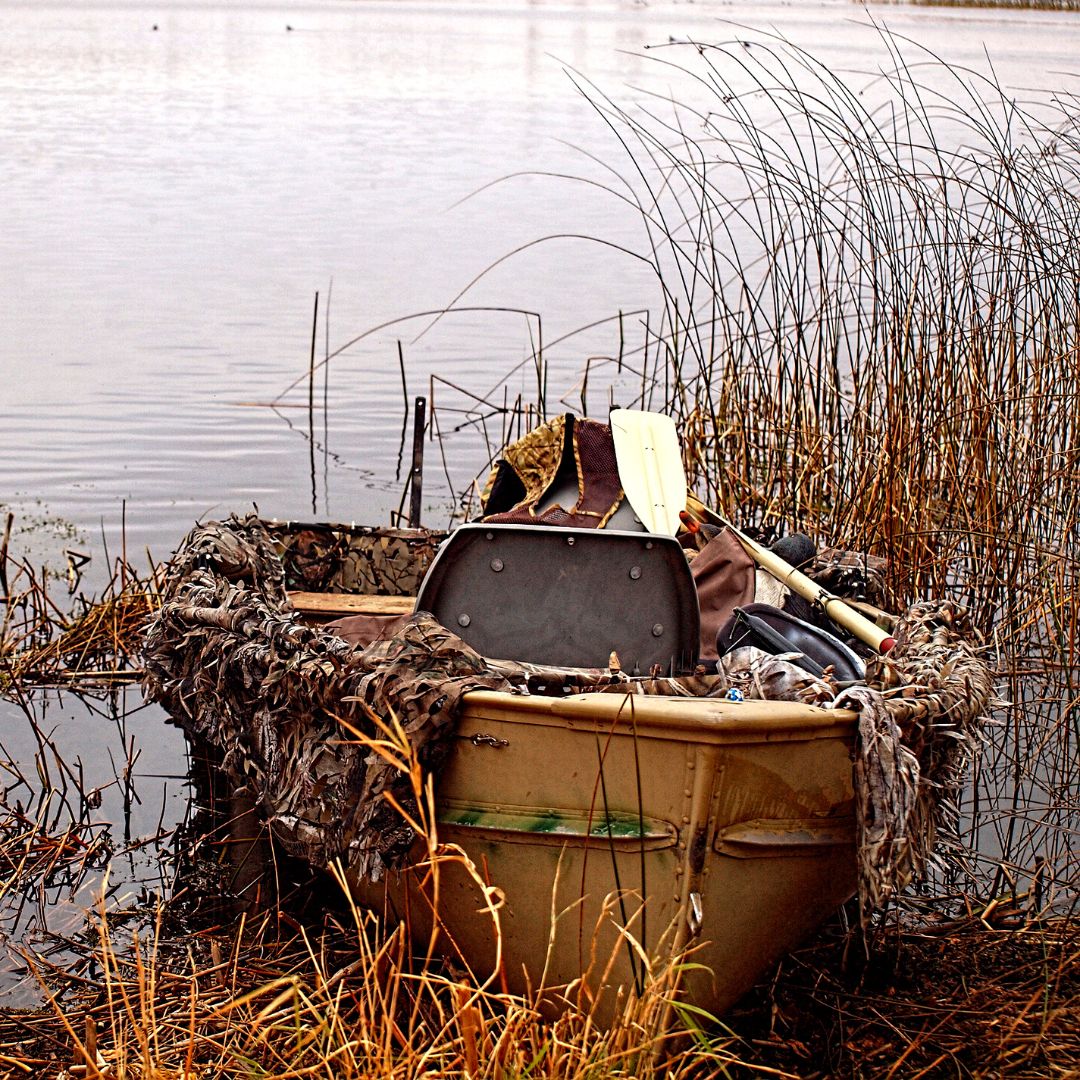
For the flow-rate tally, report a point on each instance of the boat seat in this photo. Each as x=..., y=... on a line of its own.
x=566, y=597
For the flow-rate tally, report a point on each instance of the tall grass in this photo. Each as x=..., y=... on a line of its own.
x=868, y=329
x=156, y=991
x=342, y=1000
x=871, y=332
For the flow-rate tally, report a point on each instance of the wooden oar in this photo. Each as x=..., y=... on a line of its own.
x=837, y=609
x=648, y=456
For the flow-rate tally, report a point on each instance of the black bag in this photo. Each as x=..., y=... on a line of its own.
x=775, y=631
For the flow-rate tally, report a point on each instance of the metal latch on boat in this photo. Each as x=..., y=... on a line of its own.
x=481, y=738
x=695, y=915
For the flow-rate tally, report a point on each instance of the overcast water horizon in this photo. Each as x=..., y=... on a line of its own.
x=180, y=180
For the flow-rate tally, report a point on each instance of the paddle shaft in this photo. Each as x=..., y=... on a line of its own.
x=650, y=467
x=837, y=610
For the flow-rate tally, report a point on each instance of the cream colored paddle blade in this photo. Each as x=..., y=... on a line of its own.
x=650, y=467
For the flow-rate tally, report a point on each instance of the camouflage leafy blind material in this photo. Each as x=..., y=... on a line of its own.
x=354, y=559
x=235, y=667
x=920, y=723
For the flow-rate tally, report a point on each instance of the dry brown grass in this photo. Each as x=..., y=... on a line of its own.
x=346, y=996
x=979, y=997
x=159, y=991
x=312, y=985
x=91, y=641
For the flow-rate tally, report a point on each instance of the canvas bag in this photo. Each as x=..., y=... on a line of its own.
x=725, y=576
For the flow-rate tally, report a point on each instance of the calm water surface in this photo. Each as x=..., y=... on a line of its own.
x=173, y=199
x=180, y=179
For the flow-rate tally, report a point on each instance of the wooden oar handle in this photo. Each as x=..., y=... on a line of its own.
x=837, y=610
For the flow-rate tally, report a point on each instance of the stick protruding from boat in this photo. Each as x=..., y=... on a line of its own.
x=416, y=475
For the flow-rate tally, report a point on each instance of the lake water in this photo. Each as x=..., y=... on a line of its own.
x=174, y=197
x=180, y=179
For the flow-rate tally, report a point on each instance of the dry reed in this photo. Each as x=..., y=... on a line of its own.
x=168, y=990
x=91, y=641
x=162, y=992
x=870, y=332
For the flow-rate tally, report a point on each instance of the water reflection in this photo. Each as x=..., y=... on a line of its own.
x=173, y=200
x=93, y=789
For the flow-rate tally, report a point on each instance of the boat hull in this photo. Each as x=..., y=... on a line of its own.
x=723, y=831
x=717, y=830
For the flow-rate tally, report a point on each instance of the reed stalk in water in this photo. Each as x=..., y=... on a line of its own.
x=870, y=332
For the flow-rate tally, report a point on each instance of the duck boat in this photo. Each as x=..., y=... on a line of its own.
x=605, y=806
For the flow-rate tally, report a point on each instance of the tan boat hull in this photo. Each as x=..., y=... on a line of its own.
x=733, y=822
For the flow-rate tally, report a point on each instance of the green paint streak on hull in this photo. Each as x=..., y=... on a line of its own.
x=569, y=823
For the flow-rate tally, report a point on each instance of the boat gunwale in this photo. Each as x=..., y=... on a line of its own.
x=659, y=716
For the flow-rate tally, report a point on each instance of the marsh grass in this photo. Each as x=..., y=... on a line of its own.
x=325, y=988
x=341, y=1000
x=1015, y=5
x=869, y=331
x=161, y=991
x=46, y=639
x=967, y=998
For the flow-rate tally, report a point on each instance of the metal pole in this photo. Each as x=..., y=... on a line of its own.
x=416, y=477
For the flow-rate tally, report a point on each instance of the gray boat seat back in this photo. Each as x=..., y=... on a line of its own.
x=566, y=597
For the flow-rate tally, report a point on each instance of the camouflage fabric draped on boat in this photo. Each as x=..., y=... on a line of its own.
x=920, y=720
x=232, y=662
x=229, y=659
x=353, y=559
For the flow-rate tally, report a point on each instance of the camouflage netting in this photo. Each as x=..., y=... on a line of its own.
x=235, y=666
x=920, y=720
x=354, y=558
